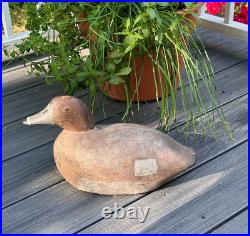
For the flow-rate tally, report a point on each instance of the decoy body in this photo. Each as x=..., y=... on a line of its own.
x=119, y=159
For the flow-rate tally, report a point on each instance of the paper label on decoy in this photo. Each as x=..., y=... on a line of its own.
x=145, y=167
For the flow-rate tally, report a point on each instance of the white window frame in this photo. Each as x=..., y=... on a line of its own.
x=225, y=25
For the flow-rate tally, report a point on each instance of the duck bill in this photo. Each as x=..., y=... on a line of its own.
x=43, y=117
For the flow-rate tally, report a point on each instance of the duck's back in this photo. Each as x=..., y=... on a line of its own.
x=120, y=159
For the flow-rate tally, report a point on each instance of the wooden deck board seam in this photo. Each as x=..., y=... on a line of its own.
x=21, y=90
x=227, y=219
x=49, y=186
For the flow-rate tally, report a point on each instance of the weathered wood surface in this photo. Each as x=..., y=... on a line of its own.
x=36, y=199
x=237, y=224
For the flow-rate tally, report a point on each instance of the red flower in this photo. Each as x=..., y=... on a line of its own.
x=213, y=7
x=244, y=10
x=240, y=18
x=223, y=5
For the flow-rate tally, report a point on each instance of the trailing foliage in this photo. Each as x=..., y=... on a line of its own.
x=116, y=33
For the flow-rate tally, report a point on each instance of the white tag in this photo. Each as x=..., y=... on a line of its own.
x=145, y=167
x=85, y=53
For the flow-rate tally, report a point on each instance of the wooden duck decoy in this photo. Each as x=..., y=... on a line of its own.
x=118, y=159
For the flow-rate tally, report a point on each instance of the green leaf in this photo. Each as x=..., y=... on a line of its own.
x=152, y=13
x=173, y=25
x=13, y=54
x=110, y=67
x=145, y=32
x=124, y=71
x=189, y=4
x=81, y=75
x=128, y=23
x=163, y=4
x=117, y=60
x=129, y=48
x=139, y=18
x=92, y=89
x=73, y=85
x=116, y=54
x=116, y=80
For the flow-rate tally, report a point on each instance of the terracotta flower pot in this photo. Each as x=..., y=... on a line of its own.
x=84, y=28
x=145, y=89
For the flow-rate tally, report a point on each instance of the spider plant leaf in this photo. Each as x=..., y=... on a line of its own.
x=152, y=13
x=139, y=18
x=130, y=48
x=128, y=23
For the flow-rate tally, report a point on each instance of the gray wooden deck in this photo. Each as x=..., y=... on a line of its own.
x=210, y=197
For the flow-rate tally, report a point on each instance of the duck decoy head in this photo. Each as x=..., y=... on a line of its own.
x=67, y=112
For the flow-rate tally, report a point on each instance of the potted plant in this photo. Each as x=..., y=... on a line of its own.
x=137, y=51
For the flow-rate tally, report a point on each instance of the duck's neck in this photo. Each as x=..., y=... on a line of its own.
x=78, y=126
x=76, y=123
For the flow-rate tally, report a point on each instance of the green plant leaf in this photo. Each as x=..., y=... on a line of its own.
x=124, y=71
x=174, y=25
x=139, y=18
x=163, y=4
x=116, y=54
x=117, y=60
x=81, y=75
x=129, y=48
x=116, y=80
x=152, y=13
x=73, y=86
x=110, y=67
x=128, y=23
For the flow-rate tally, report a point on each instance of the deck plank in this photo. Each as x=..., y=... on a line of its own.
x=237, y=225
x=193, y=203
x=78, y=213
x=41, y=158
